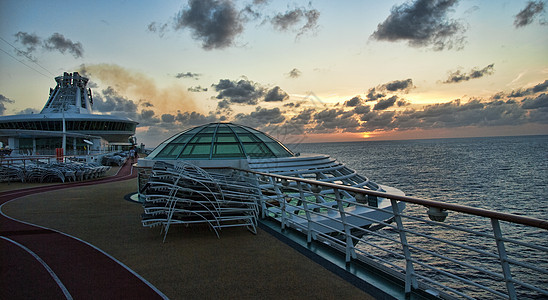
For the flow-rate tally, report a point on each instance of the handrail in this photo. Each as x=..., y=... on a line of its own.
x=529, y=221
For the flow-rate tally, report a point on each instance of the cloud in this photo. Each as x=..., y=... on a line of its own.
x=379, y=92
x=541, y=101
x=58, y=42
x=197, y=89
x=147, y=117
x=191, y=75
x=55, y=42
x=29, y=40
x=541, y=87
x=223, y=106
x=276, y=94
x=332, y=120
x=112, y=102
x=385, y=103
x=218, y=23
x=422, y=23
x=373, y=95
x=528, y=14
x=458, y=76
x=355, y=101
x=3, y=101
x=214, y=22
x=158, y=28
x=167, y=118
x=261, y=117
x=295, y=73
x=377, y=121
x=362, y=109
x=194, y=118
x=399, y=85
x=292, y=18
x=242, y=91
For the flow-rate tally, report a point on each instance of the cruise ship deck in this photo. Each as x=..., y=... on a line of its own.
x=193, y=263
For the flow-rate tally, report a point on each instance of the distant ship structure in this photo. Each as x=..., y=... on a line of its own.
x=66, y=122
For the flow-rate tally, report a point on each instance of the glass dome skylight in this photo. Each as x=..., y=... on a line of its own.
x=219, y=141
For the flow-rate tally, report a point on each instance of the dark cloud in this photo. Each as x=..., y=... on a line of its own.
x=292, y=18
x=55, y=42
x=355, y=101
x=385, y=103
x=362, y=109
x=378, y=120
x=29, y=40
x=422, y=23
x=223, y=106
x=399, y=85
x=194, y=118
x=286, y=20
x=330, y=120
x=217, y=23
x=379, y=92
x=458, y=76
x=147, y=118
x=242, y=91
x=3, y=101
x=292, y=105
x=168, y=118
x=528, y=14
x=58, y=42
x=373, y=95
x=541, y=101
x=448, y=115
x=158, y=28
x=115, y=104
x=402, y=102
x=261, y=117
x=146, y=104
x=295, y=73
x=214, y=22
x=197, y=89
x=541, y=87
x=276, y=94
x=191, y=75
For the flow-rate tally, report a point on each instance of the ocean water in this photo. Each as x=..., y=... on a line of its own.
x=505, y=174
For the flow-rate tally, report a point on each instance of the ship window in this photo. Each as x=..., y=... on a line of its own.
x=257, y=150
x=225, y=138
x=278, y=150
x=248, y=138
x=202, y=138
x=170, y=151
x=228, y=150
x=196, y=151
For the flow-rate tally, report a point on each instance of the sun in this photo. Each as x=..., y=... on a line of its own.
x=366, y=135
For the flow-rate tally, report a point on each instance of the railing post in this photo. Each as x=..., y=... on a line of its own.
x=281, y=200
x=350, y=252
x=410, y=279
x=503, y=259
x=307, y=213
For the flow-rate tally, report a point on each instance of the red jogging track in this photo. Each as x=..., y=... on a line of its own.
x=39, y=263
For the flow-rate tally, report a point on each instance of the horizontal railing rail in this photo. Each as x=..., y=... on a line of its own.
x=523, y=220
x=469, y=256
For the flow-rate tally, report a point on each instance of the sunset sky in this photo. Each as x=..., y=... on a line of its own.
x=303, y=71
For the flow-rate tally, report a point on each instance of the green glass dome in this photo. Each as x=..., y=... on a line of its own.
x=219, y=141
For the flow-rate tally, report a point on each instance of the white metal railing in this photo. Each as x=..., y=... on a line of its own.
x=476, y=253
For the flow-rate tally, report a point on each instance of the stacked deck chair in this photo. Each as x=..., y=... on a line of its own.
x=187, y=194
